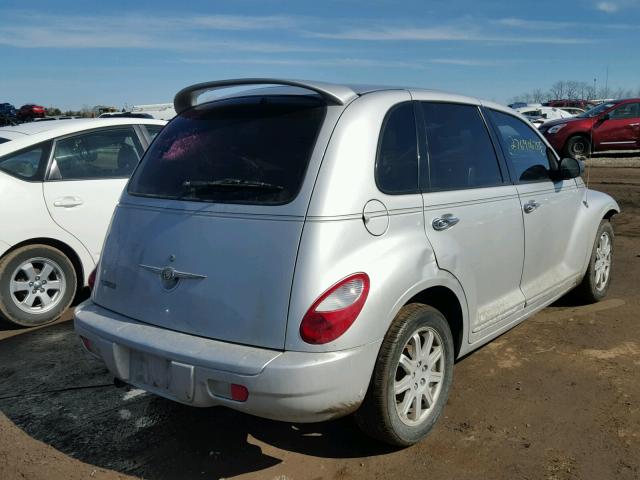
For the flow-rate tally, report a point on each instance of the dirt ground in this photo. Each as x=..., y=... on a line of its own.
x=557, y=397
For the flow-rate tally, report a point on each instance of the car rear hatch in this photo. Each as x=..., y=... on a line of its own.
x=205, y=239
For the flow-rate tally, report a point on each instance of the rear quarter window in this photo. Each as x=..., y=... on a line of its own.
x=28, y=163
x=249, y=150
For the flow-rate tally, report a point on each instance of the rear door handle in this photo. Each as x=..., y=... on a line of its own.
x=67, y=202
x=530, y=206
x=444, y=222
x=634, y=124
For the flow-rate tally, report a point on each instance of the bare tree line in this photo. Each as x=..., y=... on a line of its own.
x=572, y=89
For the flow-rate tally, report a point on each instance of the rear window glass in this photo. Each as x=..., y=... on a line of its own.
x=252, y=150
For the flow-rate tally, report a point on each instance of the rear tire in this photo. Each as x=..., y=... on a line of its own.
x=578, y=147
x=595, y=283
x=405, y=375
x=37, y=284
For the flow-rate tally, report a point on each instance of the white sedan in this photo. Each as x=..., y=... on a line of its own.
x=59, y=184
x=540, y=115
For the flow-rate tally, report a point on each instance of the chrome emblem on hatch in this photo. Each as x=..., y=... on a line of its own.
x=169, y=276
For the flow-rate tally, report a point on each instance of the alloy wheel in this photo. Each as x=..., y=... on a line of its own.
x=37, y=285
x=603, y=261
x=419, y=376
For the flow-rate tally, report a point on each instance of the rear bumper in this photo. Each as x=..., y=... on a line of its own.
x=288, y=386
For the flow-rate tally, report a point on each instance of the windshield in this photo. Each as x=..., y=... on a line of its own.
x=251, y=150
x=595, y=111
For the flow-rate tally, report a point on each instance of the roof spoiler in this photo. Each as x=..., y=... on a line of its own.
x=333, y=94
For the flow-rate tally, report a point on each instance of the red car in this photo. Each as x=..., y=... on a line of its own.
x=30, y=111
x=609, y=126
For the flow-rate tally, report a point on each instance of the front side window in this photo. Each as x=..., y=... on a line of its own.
x=628, y=110
x=249, y=150
x=523, y=148
x=461, y=154
x=107, y=153
x=27, y=164
x=397, y=158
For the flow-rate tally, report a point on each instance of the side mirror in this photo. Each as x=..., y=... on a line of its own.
x=604, y=117
x=569, y=168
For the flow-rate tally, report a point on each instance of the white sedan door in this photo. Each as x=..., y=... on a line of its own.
x=86, y=177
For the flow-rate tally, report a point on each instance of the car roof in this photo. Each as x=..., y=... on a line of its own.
x=32, y=128
x=26, y=134
x=336, y=93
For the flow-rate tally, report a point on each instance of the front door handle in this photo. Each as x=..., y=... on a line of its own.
x=67, y=202
x=530, y=206
x=634, y=124
x=444, y=222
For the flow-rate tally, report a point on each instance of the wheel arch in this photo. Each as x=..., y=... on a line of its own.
x=71, y=254
x=446, y=302
x=610, y=214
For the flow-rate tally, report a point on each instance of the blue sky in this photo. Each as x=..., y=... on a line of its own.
x=70, y=53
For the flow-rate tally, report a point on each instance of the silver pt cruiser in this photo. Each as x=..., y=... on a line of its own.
x=301, y=251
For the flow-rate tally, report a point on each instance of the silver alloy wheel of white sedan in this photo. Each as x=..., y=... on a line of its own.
x=37, y=285
x=419, y=376
x=603, y=261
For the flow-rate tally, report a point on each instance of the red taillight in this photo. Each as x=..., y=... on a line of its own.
x=239, y=393
x=92, y=278
x=335, y=311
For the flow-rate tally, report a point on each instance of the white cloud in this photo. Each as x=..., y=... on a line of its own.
x=194, y=32
x=350, y=62
x=614, y=6
x=608, y=7
x=441, y=34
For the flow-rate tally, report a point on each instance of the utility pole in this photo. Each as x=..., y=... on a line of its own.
x=595, y=91
x=606, y=82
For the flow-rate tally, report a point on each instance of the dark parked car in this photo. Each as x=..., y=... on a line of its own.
x=30, y=111
x=7, y=114
x=609, y=126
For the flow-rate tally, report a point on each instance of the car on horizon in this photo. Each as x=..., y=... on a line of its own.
x=59, y=183
x=611, y=126
x=28, y=112
x=7, y=114
x=305, y=251
x=540, y=115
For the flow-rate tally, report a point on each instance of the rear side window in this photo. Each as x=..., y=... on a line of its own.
x=461, y=154
x=107, y=153
x=397, y=159
x=628, y=110
x=251, y=150
x=153, y=130
x=3, y=140
x=525, y=152
x=27, y=164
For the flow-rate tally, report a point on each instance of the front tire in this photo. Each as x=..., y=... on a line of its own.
x=37, y=284
x=596, y=281
x=412, y=377
x=578, y=147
